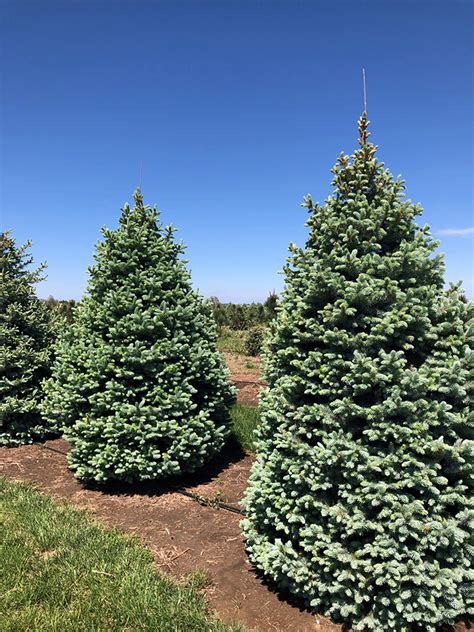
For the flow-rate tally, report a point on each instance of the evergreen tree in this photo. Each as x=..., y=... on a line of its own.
x=359, y=500
x=26, y=337
x=138, y=383
x=270, y=306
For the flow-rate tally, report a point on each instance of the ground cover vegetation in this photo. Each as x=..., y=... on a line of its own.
x=63, y=572
x=359, y=501
x=138, y=385
x=231, y=340
x=27, y=332
x=245, y=420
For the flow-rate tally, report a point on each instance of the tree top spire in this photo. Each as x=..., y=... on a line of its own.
x=363, y=125
x=138, y=197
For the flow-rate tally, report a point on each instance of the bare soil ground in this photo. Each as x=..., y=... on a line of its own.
x=182, y=534
x=246, y=375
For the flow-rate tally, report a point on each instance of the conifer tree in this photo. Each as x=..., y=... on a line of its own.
x=270, y=306
x=138, y=383
x=359, y=501
x=26, y=337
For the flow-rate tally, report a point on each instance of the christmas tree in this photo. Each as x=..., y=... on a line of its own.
x=359, y=500
x=138, y=384
x=26, y=337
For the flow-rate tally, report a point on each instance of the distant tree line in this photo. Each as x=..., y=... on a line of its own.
x=241, y=316
x=64, y=309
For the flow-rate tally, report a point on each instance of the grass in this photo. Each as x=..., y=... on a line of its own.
x=62, y=572
x=231, y=340
x=245, y=420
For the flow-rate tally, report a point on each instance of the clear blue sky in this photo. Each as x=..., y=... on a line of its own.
x=237, y=110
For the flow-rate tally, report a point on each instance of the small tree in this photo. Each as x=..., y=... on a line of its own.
x=138, y=383
x=253, y=341
x=26, y=337
x=270, y=306
x=359, y=501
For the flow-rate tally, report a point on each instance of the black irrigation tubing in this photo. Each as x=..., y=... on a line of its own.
x=178, y=490
x=48, y=447
x=248, y=382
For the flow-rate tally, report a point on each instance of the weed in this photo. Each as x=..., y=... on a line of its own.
x=208, y=501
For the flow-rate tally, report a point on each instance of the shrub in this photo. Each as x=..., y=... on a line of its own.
x=138, y=382
x=254, y=341
x=358, y=501
x=26, y=337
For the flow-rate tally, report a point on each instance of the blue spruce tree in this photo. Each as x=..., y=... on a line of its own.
x=27, y=333
x=138, y=384
x=359, y=500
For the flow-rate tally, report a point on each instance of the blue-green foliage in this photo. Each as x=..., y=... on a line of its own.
x=138, y=384
x=26, y=337
x=359, y=501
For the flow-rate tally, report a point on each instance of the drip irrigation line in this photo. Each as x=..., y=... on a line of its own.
x=48, y=447
x=177, y=490
x=249, y=382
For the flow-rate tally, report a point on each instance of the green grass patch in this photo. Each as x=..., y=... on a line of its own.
x=61, y=571
x=245, y=420
x=231, y=340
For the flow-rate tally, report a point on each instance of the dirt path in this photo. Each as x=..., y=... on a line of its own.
x=246, y=375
